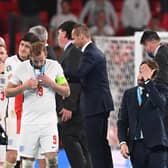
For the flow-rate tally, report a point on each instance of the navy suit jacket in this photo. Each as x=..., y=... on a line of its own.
x=151, y=116
x=92, y=73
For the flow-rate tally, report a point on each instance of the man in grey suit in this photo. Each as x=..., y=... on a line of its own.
x=71, y=123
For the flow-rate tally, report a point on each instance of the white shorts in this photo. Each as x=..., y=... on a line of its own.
x=13, y=138
x=35, y=139
x=2, y=153
x=2, y=148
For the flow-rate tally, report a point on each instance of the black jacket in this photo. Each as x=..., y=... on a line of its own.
x=70, y=59
x=151, y=116
x=161, y=58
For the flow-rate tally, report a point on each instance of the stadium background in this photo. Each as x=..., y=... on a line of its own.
x=123, y=53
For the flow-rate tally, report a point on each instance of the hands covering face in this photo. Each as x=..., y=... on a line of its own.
x=145, y=72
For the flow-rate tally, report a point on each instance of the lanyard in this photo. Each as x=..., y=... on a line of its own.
x=139, y=95
x=40, y=71
x=37, y=73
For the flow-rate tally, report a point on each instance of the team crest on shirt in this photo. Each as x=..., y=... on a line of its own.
x=8, y=68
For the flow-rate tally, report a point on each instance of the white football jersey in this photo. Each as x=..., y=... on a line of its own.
x=38, y=107
x=3, y=106
x=3, y=99
x=11, y=64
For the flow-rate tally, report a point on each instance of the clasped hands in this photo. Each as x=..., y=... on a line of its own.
x=42, y=80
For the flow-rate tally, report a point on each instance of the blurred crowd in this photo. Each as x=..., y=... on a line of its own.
x=104, y=17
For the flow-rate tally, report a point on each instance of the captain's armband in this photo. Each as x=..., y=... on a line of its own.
x=60, y=80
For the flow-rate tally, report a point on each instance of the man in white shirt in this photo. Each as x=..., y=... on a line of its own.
x=3, y=100
x=14, y=107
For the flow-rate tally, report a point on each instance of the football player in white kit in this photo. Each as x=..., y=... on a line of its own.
x=14, y=115
x=3, y=99
x=38, y=79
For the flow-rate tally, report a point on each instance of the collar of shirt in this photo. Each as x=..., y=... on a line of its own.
x=84, y=47
x=156, y=50
x=67, y=44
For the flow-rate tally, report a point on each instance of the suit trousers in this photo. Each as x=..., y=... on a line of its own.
x=144, y=157
x=96, y=128
x=76, y=148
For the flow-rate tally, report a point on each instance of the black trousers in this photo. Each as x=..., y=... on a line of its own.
x=76, y=148
x=96, y=128
x=143, y=157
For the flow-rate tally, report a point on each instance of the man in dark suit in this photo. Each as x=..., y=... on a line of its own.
x=141, y=130
x=71, y=125
x=96, y=100
x=159, y=52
